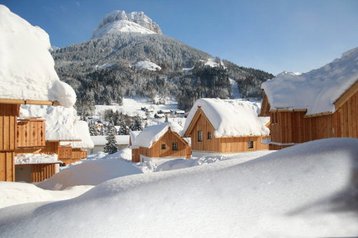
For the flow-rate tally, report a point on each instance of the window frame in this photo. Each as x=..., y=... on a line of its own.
x=175, y=146
x=163, y=147
x=210, y=135
x=250, y=144
x=200, y=136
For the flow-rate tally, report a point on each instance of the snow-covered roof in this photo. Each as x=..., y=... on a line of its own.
x=61, y=123
x=316, y=90
x=133, y=135
x=30, y=158
x=26, y=66
x=81, y=131
x=151, y=134
x=230, y=118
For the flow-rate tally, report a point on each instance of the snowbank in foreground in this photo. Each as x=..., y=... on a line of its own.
x=18, y=193
x=305, y=190
x=26, y=66
x=90, y=172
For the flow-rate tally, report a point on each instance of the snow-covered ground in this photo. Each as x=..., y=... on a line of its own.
x=148, y=65
x=306, y=190
x=132, y=107
x=13, y=193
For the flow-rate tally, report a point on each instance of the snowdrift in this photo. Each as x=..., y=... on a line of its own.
x=12, y=193
x=305, y=190
x=90, y=172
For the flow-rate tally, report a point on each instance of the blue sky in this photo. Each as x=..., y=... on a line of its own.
x=272, y=35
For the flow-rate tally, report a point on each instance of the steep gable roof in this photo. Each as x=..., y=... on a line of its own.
x=230, y=118
x=152, y=134
x=316, y=90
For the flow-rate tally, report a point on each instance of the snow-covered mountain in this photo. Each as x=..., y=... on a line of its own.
x=129, y=56
x=120, y=21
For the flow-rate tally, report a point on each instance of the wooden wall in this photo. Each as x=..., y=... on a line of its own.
x=240, y=144
x=7, y=172
x=8, y=130
x=223, y=145
x=348, y=116
x=76, y=155
x=31, y=133
x=65, y=154
x=33, y=173
x=156, y=150
x=51, y=147
x=295, y=127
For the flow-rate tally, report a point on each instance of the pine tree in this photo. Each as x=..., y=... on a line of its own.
x=110, y=147
x=93, y=129
x=137, y=124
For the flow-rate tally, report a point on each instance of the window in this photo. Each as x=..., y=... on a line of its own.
x=250, y=144
x=200, y=136
x=175, y=146
x=209, y=135
x=164, y=146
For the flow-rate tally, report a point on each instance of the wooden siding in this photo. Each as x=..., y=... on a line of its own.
x=7, y=172
x=240, y=144
x=295, y=127
x=31, y=133
x=156, y=150
x=65, y=154
x=51, y=147
x=8, y=128
x=265, y=107
x=223, y=145
x=33, y=173
x=78, y=154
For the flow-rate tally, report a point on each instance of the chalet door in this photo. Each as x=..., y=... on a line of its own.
x=23, y=173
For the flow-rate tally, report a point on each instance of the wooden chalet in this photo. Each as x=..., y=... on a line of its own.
x=28, y=77
x=21, y=136
x=320, y=117
x=159, y=141
x=225, y=126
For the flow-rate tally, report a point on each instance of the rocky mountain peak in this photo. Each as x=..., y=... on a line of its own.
x=119, y=21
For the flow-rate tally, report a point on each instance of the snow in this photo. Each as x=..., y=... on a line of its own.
x=121, y=26
x=59, y=121
x=122, y=22
x=91, y=172
x=101, y=140
x=316, y=90
x=81, y=131
x=26, y=65
x=235, y=93
x=304, y=190
x=212, y=62
x=36, y=158
x=230, y=117
x=151, y=134
x=132, y=106
x=12, y=193
x=148, y=65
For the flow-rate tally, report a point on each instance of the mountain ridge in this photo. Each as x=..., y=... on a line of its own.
x=101, y=69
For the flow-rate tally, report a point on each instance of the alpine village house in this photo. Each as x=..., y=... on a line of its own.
x=225, y=126
x=28, y=78
x=319, y=104
x=159, y=141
